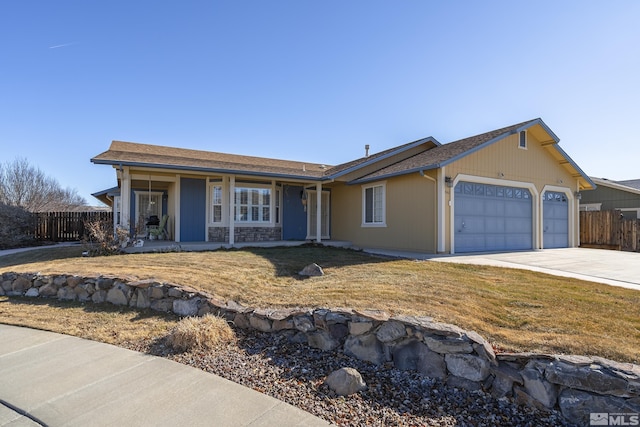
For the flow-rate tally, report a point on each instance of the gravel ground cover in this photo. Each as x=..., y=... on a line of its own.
x=295, y=373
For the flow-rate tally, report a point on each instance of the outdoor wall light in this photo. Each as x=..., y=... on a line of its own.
x=303, y=199
x=448, y=181
x=578, y=195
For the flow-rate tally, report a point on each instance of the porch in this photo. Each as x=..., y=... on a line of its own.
x=149, y=246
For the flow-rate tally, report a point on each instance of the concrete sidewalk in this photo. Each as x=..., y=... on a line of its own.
x=59, y=380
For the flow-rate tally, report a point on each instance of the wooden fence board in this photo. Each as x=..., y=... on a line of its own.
x=65, y=226
x=609, y=229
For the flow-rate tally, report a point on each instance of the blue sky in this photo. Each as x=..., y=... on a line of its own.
x=312, y=80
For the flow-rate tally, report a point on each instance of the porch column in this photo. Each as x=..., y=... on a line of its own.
x=125, y=198
x=232, y=202
x=319, y=212
x=441, y=211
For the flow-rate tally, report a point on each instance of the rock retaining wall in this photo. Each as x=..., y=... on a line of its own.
x=576, y=385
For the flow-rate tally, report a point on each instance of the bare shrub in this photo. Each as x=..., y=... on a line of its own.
x=206, y=332
x=101, y=239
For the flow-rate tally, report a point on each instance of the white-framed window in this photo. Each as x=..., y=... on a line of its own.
x=374, y=205
x=216, y=203
x=522, y=141
x=590, y=206
x=252, y=204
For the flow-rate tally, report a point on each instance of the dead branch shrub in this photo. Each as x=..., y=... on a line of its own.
x=101, y=239
x=202, y=333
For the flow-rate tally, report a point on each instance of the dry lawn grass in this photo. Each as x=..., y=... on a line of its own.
x=105, y=323
x=206, y=332
x=516, y=310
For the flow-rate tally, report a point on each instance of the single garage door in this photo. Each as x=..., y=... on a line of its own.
x=492, y=218
x=555, y=218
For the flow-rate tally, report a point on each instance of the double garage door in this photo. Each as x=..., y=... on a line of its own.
x=499, y=218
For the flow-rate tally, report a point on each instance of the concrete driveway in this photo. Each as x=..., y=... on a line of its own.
x=614, y=268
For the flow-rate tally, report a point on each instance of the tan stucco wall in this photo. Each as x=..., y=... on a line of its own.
x=410, y=215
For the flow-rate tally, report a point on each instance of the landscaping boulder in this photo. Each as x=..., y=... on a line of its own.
x=312, y=270
x=345, y=381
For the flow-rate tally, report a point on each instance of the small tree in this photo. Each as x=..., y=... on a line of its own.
x=26, y=186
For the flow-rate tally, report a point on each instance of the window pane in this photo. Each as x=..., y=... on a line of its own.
x=265, y=214
x=217, y=214
x=377, y=200
x=217, y=195
x=368, y=205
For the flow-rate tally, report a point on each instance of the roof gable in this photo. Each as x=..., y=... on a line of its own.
x=445, y=154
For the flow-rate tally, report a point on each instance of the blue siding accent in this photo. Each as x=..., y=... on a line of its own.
x=193, y=209
x=294, y=218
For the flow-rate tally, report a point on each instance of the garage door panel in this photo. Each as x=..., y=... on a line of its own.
x=492, y=218
x=494, y=225
x=555, y=220
x=494, y=207
x=517, y=225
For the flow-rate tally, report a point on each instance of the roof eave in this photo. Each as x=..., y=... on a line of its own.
x=394, y=174
x=386, y=156
x=576, y=167
x=210, y=170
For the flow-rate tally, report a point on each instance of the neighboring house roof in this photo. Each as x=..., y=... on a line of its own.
x=134, y=154
x=619, y=185
x=634, y=183
x=447, y=153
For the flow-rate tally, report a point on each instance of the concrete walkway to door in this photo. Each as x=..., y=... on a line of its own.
x=613, y=268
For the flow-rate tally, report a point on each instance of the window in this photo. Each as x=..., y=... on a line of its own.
x=374, y=205
x=523, y=139
x=216, y=203
x=252, y=205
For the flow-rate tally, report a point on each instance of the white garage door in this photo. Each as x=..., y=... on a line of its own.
x=492, y=218
x=555, y=219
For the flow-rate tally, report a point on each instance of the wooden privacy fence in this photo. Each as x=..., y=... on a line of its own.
x=66, y=226
x=609, y=229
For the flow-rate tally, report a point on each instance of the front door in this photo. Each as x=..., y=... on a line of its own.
x=193, y=209
x=294, y=216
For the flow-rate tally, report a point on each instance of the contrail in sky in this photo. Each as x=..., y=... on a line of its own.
x=61, y=45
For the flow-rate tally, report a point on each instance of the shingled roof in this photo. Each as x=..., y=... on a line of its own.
x=135, y=154
x=443, y=154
